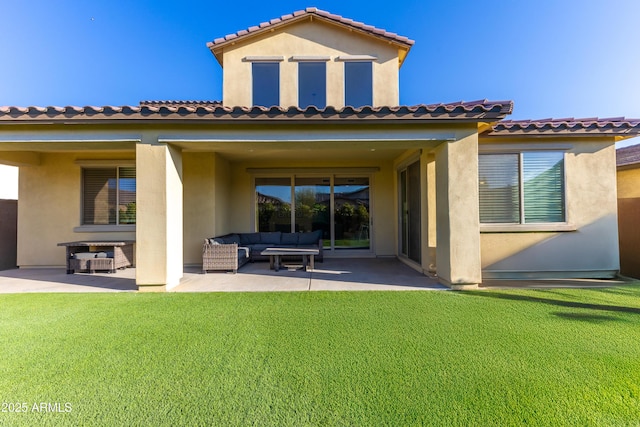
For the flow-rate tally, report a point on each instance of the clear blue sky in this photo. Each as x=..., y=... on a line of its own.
x=553, y=58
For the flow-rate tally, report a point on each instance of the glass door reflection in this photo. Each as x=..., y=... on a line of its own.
x=312, y=206
x=273, y=196
x=351, y=213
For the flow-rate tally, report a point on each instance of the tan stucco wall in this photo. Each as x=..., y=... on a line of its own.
x=49, y=208
x=429, y=212
x=199, y=203
x=159, y=215
x=310, y=39
x=223, y=196
x=457, y=212
x=207, y=190
x=591, y=250
x=628, y=183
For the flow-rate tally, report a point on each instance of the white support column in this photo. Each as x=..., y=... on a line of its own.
x=457, y=211
x=159, y=218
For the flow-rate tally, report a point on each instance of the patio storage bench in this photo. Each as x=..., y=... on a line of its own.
x=94, y=256
x=232, y=251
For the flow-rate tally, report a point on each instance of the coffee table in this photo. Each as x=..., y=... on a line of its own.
x=275, y=255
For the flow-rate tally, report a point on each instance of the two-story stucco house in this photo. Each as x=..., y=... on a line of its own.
x=310, y=111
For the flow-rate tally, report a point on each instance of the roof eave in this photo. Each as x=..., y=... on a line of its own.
x=618, y=128
x=475, y=111
x=248, y=120
x=217, y=48
x=628, y=166
x=617, y=135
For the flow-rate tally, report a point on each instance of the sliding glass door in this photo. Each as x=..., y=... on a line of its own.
x=409, y=182
x=351, y=213
x=337, y=205
x=273, y=200
x=312, y=206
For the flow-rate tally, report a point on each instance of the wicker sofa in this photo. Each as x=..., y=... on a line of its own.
x=232, y=251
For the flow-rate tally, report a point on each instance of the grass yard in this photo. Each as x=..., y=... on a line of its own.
x=553, y=357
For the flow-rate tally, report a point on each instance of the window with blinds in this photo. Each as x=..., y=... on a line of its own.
x=109, y=196
x=522, y=188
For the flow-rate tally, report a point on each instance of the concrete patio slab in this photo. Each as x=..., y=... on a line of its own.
x=333, y=275
x=381, y=274
x=346, y=274
x=253, y=277
x=57, y=280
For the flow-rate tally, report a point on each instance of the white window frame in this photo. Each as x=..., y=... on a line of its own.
x=266, y=60
x=358, y=58
x=103, y=164
x=521, y=226
x=330, y=173
x=344, y=86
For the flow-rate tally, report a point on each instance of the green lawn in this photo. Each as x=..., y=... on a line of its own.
x=555, y=357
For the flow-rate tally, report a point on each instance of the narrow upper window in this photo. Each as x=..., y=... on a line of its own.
x=109, y=196
x=358, y=84
x=522, y=188
x=312, y=84
x=266, y=83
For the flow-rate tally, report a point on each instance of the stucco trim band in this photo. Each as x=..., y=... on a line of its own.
x=263, y=59
x=527, y=228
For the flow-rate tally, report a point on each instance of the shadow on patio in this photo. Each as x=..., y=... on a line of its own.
x=57, y=280
x=334, y=274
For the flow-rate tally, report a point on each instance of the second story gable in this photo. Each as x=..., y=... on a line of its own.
x=311, y=57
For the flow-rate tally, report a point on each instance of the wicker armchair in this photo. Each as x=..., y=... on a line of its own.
x=225, y=256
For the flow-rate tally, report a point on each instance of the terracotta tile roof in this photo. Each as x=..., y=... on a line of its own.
x=473, y=111
x=181, y=103
x=616, y=126
x=628, y=156
x=304, y=14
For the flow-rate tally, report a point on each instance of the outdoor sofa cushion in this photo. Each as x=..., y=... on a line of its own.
x=249, y=238
x=90, y=255
x=84, y=255
x=309, y=238
x=290, y=239
x=270, y=237
x=228, y=239
x=259, y=247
